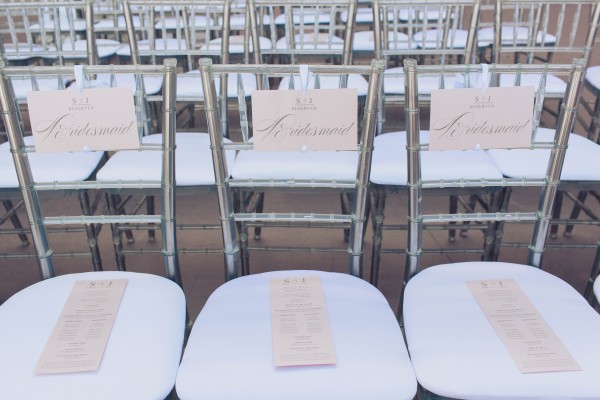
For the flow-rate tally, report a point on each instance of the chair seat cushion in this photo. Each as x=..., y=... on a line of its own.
x=355, y=81
x=555, y=87
x=105, y=47
x=49, y=167
x=592, y=76
x=232, y=338
x=365, y=41
x=141, y=356
x=23, y=85
x=305, y=16
x=236, y=44
x=432, y=39
x=161, y=44
x=456, y=353
x=393, y=82
x=189, y=85
x=582, y=153
x=512, y=36
x=327, y=165
x=22, y=51
x=152, y=84
x=389, y=165
x=193, y=162
x=309, y=41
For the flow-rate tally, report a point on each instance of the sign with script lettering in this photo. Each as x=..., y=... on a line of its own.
x=491, y=118
x=95, y=119
x=288, y=120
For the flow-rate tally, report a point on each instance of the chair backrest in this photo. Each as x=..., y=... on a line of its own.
x=359, y=167
x=539, y=214
x=439, y=28
x=29, y=32
x=540, y=29
x=23, y=153
x=184, y=29
x=302, y=29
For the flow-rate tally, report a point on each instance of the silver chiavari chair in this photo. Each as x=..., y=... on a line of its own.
x=152, y=313
x=349, y=299
x=31, y=37
x=185, y=30
x=432, y=30
x=446, y=329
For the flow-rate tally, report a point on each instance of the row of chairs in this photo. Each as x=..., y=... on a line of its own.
x=445, y=331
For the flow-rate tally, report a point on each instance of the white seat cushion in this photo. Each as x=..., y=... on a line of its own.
x=582, y=153
x=198, y=21
x=457, y=354
x=432, y=39
x=23, y=85
x=236, y=44
x=105, y=47
x=512, y=36
x=78, y=25
x=393, y=82
x=49, y=167
x=232, y=338
x=306, y=16
x=365, y=41
x=592, y=76
x=364, y=15
x=22, y=51
x=389, y=164
x=142, y=353
x=193, y=162
x=109, y=23
x=554, y=85
x=152, y=84
x=326, y=165
x=355, y=81
x=189, y=85
x=159, y=45
x=321, y=41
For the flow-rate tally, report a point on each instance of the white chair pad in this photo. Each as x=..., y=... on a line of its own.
x=105, y=47
x=109, y=23
x=236, y=44
x=232, y=338
x=23, y=85
x=327, y=165
x=159, y=45
x=22, y=51
x=308, y=42
x=364, y=15
x=389, y=163
x=592, y=76
x=355, y=81
x=306, y=16
x=365, y=41
x=189, y=85
x=432, y=38
x=512, y=36
x=78, y=25
x=198, y=21
x=152, y=84
x=193, y=162
x=582, y=154
x=554, y=85
x=456, y=353
x=393, y=82
x=141, y=357
x=49, y=167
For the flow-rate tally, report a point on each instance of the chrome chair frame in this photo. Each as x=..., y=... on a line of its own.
x=234, y=221
x=30, y=189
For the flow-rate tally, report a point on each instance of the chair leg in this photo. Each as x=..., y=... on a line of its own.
x=453, y=209
x=581, y=197
x=150, y=207
x=378, y=199
x=558, y=201
x=16, y=222
x=90, y=230
x=346, y=204
x=113, y=208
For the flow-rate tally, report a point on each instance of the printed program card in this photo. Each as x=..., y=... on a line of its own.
x=287, y=120
x=301, y=333
x=79, y=338
x=95, y=119
x=530, y=341
x=494, y=118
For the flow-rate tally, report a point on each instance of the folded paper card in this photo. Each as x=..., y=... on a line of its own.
x=530, y=341
x=81, y=333
x=300, y=326
x=288, y=120
x=490, y=118
x=93, y=119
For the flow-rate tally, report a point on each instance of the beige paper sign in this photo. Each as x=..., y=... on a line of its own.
x=492, y=118
x=79, y=338
x=530, y=341
x=95, y=119
x=287, y=120
x=299, y=322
